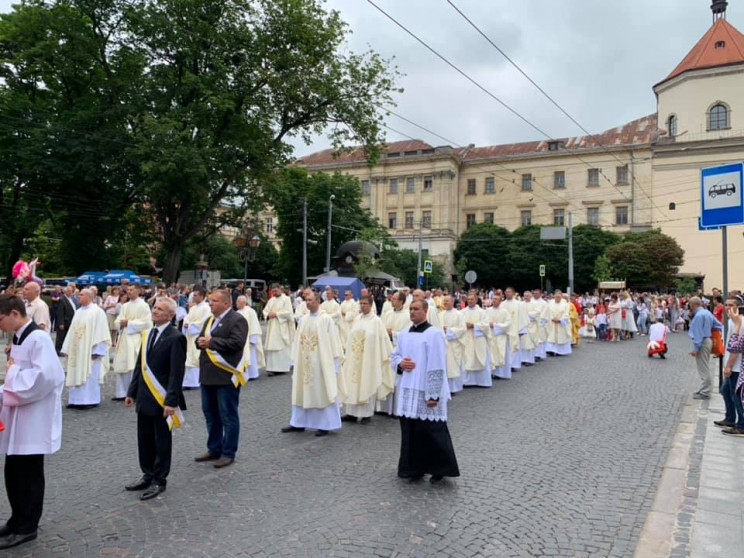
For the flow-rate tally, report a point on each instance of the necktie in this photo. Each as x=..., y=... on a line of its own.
x=214, y=325
x=153, y=337
x=15, y=340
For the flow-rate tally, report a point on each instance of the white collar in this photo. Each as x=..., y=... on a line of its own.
x=20, y=331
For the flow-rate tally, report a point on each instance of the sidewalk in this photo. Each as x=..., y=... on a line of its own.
x=698, y=511
x=718, y=524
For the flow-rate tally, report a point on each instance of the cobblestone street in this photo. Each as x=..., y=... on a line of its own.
x=563, y=460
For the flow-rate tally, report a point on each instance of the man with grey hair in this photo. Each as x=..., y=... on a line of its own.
x=36, y=308
x=65, y=313
x=156, y=393
x=86, y=349
x=702, y=325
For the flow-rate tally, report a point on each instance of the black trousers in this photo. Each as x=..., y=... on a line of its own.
x=24, y=483
x=155, y=444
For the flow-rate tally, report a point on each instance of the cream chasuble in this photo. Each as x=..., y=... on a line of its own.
x=476, y=339
x=501, y=320
x=89, y=327
x=396, y=321
x=366, y=371
x=333, y=309
x=519, y=322
x=453, y=325
x=279, y=331
x=315, y=350
x=559, y=333
x=139, y=318
x=254, y=339
x=349, y=311
x=192, y=326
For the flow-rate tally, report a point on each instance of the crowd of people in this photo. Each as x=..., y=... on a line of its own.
x=352, y=356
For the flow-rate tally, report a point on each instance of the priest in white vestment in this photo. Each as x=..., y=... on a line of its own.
x=253, y=354
x=280, y=330
x=540, y=307
x=517, y=328
x=559, y=326
x=453, y=327
x=31, y=411
x=530, y=341
x=316, y=383
x=367, y=375
x=86, y=347
x=332, y=308
x=134, y=318
x=421, y=360
x=477, y=358
x=432, y=316
x=396, y=321
x=499, y=321
x=349, y=309
x=387, y=306
x=193, y=324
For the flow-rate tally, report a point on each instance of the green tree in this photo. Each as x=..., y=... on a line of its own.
x=590, y=243
x=649, y=259
x=526, y=253
x=684, y=285
x=602, y=269
x=403, y=264
x=484, y=249
x=287, y=189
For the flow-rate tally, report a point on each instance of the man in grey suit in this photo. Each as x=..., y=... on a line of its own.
x=65, y=312
x=221, y=342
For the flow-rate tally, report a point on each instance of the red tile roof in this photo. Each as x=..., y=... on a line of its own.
x=640, y=131
x=356, y=154
x=705, y=54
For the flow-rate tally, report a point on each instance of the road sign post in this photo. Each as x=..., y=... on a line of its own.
x=542, y=275
x=471, y=277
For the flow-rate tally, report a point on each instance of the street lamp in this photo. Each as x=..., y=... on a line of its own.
x=248, y=247
x=328, y=240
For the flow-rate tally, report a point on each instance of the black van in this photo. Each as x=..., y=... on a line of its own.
x=721, y=189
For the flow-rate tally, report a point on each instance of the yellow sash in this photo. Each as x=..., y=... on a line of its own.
x=158, y=391
x=238, y=373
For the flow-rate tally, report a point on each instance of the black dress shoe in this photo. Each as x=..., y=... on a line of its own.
x=365, y=420
x=86, y=407
x=291, y=428
x=118, y=398
x=5, y=530
x=15, y=539
x=321, y=433
x=348, y=418
x=435, y=479
x=152, y=492
x=138, y=485
x=73, y=406
x=415, y=478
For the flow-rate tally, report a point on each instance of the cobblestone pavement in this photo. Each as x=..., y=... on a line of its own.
x=563, y=460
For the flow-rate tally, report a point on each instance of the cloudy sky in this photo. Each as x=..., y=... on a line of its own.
x=597, y=58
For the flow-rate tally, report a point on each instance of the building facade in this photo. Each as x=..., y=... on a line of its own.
x=641, y=175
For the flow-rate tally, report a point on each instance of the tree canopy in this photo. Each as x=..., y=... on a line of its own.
x=176, y=107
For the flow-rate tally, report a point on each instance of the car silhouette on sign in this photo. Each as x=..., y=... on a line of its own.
x=721, y=189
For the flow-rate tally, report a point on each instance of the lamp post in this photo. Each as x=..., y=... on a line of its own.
x=248, y=248
x=328, y=240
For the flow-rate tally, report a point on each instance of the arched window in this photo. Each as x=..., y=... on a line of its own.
x=672, y=125
x=718, y=117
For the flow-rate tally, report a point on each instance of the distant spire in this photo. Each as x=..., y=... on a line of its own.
x=719, y=9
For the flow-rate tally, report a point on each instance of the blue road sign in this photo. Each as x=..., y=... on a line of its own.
x=428, y=266
x=720, y=196
x=702, y=228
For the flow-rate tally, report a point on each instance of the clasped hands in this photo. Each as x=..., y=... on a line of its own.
x=407, y=365
x=203, y=341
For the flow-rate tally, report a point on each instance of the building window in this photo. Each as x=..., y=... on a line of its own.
x=526, y=217
x=718, y=118
x=592, y=216
x=469, y=220
x=526, y=182
x=488, y=218
x=559, y=217
x=554, y=145
x=621, y=215
x=720, y=44
x=392, y=220
x=593, y=177
x=428, y=183
x=559, y=180
x=490, y=189
x=409, y=219
x=622, y=175
x=426, y=219
x=471, y=186
x=672, y=126
x=410, y=185
x=269, y=224
x=393, y=186
x=365, y=188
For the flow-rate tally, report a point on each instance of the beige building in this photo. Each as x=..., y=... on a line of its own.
x=622, y=179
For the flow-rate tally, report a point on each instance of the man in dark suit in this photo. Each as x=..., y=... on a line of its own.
x=224, y=336
x=165, y=355
x=65, y=312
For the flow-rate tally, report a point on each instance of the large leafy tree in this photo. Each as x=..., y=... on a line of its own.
x=286, y=191
x=484, y=249
x=178, y=107
x=649, y=259
x=590, y=243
